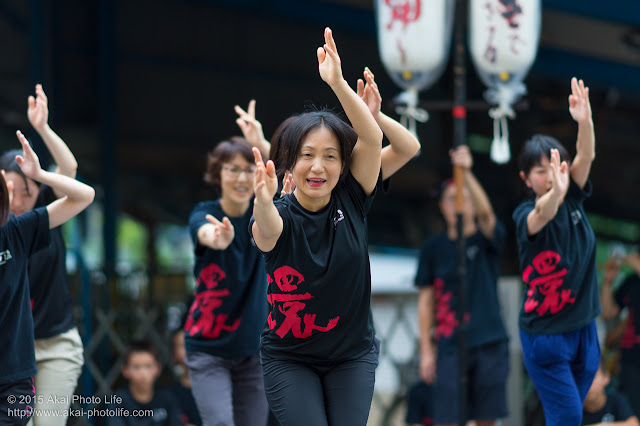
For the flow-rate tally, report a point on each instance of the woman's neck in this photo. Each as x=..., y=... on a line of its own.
x=311, y=204
x=233, y=209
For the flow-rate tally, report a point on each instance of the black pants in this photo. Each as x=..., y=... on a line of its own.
x=16, y=402
x=321, y=395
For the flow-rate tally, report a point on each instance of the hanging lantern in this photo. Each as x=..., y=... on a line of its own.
x=503, y=43
x=413, y=41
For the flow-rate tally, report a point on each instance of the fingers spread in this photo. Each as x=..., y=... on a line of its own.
x=257, y=157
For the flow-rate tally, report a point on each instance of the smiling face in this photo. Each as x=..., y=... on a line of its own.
x=317, y=169
x=539, y=177
x=236, y=181
x=25, y=193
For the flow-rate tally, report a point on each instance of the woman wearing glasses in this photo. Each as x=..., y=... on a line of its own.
x=222, y=332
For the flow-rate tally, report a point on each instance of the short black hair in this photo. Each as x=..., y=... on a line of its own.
x=537, y=147
x=223, y=153
x=141, y=345
x=286, y=142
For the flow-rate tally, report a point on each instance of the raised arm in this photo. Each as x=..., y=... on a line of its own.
x=365, y=161
x=461, y=156
x=252, y=129
x=403, y=145
x=268, y=224
x=580, y=109
x=547, y=205
x=38, y=113
x=76, y=196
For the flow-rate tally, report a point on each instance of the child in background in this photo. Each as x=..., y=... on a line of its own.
x=609, y=407
x=141, y=368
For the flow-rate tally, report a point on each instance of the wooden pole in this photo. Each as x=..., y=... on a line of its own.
x=459, y=113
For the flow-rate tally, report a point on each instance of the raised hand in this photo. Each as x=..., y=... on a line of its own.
x=369, y=93
x=559, y=173
x=28, y=161
x=328, y=60
x=250, y=127
x=633, y=260
x=265, y=183
x=579, y=105
x=37, y=110
x=223, y=233
x=461, y=156
x=287, y=184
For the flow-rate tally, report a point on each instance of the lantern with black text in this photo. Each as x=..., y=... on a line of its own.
x=413, y=40
x=503, y=43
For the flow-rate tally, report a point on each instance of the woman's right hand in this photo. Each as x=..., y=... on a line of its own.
x=559, y=173
x=28, y=161
x=223, y=232
x=329, y=61
x=38, y=111
x=265, y=183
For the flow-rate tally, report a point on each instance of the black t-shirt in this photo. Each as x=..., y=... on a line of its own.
x=616, y=409
x=628, y=294
x=320, y=280
x=48, y=281
x=187, y=409
x=438, y=268
x=160, y=411
x=19, y=238
x=558, y=264
x=230, y=304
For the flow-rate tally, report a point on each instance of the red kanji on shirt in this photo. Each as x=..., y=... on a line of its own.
x=405, y=11
x=290, y=304
x=547, y=284
x=445, y=316
x=202, y=319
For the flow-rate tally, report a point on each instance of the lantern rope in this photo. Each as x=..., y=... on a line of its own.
x=504, y=96
x=409, y=111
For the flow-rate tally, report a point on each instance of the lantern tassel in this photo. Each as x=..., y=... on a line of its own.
x=504, y=96
x=409, y=111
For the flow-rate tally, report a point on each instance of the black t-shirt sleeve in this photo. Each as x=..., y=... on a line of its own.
x=622, y=293
x=359, y=198
x=33, y=229
x=196, y=220
x=577, y=193
x=520, y=215
x=424, y=275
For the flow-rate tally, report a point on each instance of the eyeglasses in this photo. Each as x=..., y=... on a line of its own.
x=235, y=172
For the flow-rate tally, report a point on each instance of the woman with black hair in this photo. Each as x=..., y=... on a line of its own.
x=557, y=249
x=58, y=346
x=222, y=329
x=318, y=351
x=20, y=237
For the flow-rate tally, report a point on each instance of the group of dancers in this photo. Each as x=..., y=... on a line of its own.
x=281, y=319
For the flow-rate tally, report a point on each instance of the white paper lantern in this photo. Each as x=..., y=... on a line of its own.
x=414, y=37
x=503, y=43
